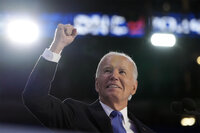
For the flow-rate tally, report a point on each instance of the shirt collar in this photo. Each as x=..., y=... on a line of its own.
x=108, y=110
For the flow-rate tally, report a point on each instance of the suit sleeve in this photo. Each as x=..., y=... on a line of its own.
x=47, y=108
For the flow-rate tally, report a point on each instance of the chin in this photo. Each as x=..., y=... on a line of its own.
x=113, y=96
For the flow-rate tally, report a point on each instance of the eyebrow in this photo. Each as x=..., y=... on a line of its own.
x=123, y=69
x=107, y=67
x=110, y=67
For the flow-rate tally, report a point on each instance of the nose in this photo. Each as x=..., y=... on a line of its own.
x=114, y=75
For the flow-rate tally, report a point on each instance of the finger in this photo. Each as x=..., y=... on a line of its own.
x=74, y=32
x=68, y=29
x=60, y=26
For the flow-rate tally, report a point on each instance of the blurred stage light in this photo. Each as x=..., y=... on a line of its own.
x=163, y=39
x=198, y=60
x=22, y=31
x=188, y=121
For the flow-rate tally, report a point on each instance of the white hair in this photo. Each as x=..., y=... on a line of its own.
x=135, y=72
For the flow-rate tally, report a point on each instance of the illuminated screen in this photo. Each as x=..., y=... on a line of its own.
x=98, y=24
x=179, y=24
x=87, y=24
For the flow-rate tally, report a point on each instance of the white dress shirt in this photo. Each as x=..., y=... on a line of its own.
x=51, y=56
x=127, y=123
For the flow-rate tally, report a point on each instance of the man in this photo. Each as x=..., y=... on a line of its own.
x=116, y=82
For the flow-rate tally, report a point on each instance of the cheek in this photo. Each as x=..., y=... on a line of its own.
x=101, y=81
x=104, y=78
x=128, y=84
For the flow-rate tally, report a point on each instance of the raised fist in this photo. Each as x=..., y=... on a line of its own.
x=64, y=35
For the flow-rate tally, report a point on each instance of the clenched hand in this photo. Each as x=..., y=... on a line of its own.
x=64, y=35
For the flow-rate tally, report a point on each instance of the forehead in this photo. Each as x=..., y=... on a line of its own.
x=116, y=61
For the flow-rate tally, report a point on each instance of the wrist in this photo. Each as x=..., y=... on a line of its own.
x=51, y=56
x=56, y=48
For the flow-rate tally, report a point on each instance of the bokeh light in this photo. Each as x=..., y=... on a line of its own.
x=198, y=60
x=188, y=121
x=22, y=31
x=163, y=40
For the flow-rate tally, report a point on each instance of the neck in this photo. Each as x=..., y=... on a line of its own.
x=114, y=105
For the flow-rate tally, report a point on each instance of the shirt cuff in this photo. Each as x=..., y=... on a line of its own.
x=51, y=56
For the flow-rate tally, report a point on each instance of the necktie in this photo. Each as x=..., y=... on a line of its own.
x=116, y=122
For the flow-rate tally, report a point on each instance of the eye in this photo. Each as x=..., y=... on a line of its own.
x=107, y=71
x=122, y=72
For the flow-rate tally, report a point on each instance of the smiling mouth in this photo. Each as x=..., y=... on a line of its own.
x=112, y=86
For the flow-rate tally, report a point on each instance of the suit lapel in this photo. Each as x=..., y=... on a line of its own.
x=141, y=128
x=99, y=117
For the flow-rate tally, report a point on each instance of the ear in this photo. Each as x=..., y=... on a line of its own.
x=96, y=85
x=135, y=85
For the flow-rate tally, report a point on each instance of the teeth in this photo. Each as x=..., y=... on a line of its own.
x=113, y=86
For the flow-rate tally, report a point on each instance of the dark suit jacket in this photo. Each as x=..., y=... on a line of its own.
x=68, y=114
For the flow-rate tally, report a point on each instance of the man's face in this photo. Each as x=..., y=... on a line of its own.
x=115, y=81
